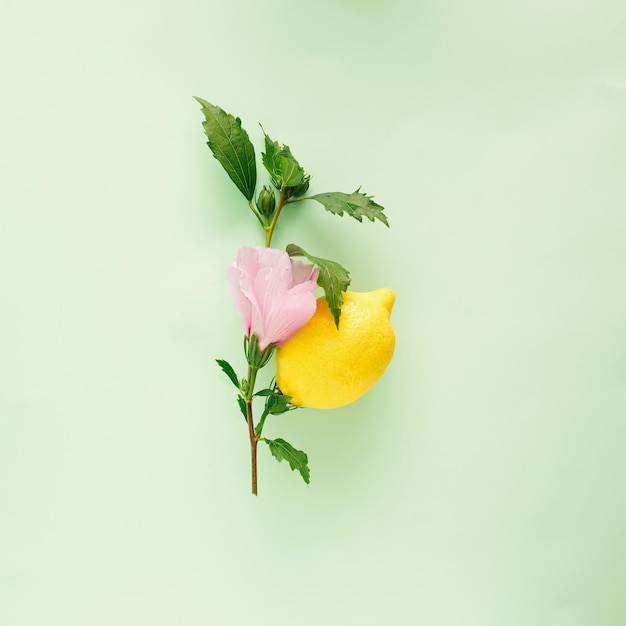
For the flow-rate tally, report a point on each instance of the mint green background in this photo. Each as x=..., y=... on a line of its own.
x=481, y=483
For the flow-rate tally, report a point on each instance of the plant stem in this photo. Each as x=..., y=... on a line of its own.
x=252, y=371
x=253, y=446
x=291, y=200
x=259, y=427
x=269, y=230
x=253, y=438
x=256, y=213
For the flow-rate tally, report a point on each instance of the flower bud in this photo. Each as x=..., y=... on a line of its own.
x=301, y=189
x=266, y=202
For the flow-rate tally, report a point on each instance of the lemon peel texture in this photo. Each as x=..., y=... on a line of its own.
x=324, y=367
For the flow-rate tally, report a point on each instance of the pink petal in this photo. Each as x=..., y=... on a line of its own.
x=283, y=311
x=242, y=304
x=273, y=274
x=306, y=287
x=305, y=277
x=303, y=272
x=283, y=321
x=272, y=294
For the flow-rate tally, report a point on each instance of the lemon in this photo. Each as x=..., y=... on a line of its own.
x=324, y=367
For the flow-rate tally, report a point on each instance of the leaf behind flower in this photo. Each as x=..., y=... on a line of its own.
x=333, y=278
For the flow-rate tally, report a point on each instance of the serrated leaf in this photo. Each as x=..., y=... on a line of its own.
x=231, y=146
x=356, y=205
x=333, y=278
x=281, y=164
x=227, y=368
x=242, y=407
x=297, y=459
x=277, y=404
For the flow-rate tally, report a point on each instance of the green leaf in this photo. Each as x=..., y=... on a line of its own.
x=333, y=278
x=297, y=459
x=356, y=205
x=277, y=404
x=227, y=368
x=281, y=164
x=242, y=407
x=231, y=146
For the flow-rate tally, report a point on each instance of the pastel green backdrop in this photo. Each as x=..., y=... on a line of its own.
x=481, y=483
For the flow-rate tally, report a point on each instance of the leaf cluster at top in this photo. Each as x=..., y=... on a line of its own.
x=232, y=147
x=282, y=166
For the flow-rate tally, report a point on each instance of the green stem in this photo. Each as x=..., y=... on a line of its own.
x=259, y=428
x=298, y=199
x=256, y=213
x=252, y=371
x=269, y=230
x=255, y=434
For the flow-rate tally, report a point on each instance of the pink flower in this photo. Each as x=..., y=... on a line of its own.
x=272, y=293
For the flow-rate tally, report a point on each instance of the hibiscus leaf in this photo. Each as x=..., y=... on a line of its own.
x=227, y=368
x=277, y=404
x=231, y=146
x=356, y=205
x=333, y=278
x=297, y=459
x=242, y=407
x=283, y=168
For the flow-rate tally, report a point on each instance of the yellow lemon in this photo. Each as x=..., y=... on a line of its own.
x=324, y=368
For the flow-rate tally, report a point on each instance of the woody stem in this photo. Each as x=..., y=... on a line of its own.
x=253, y=438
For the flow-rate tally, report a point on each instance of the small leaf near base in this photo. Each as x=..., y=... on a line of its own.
x=297, y=459
x=228, y=369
